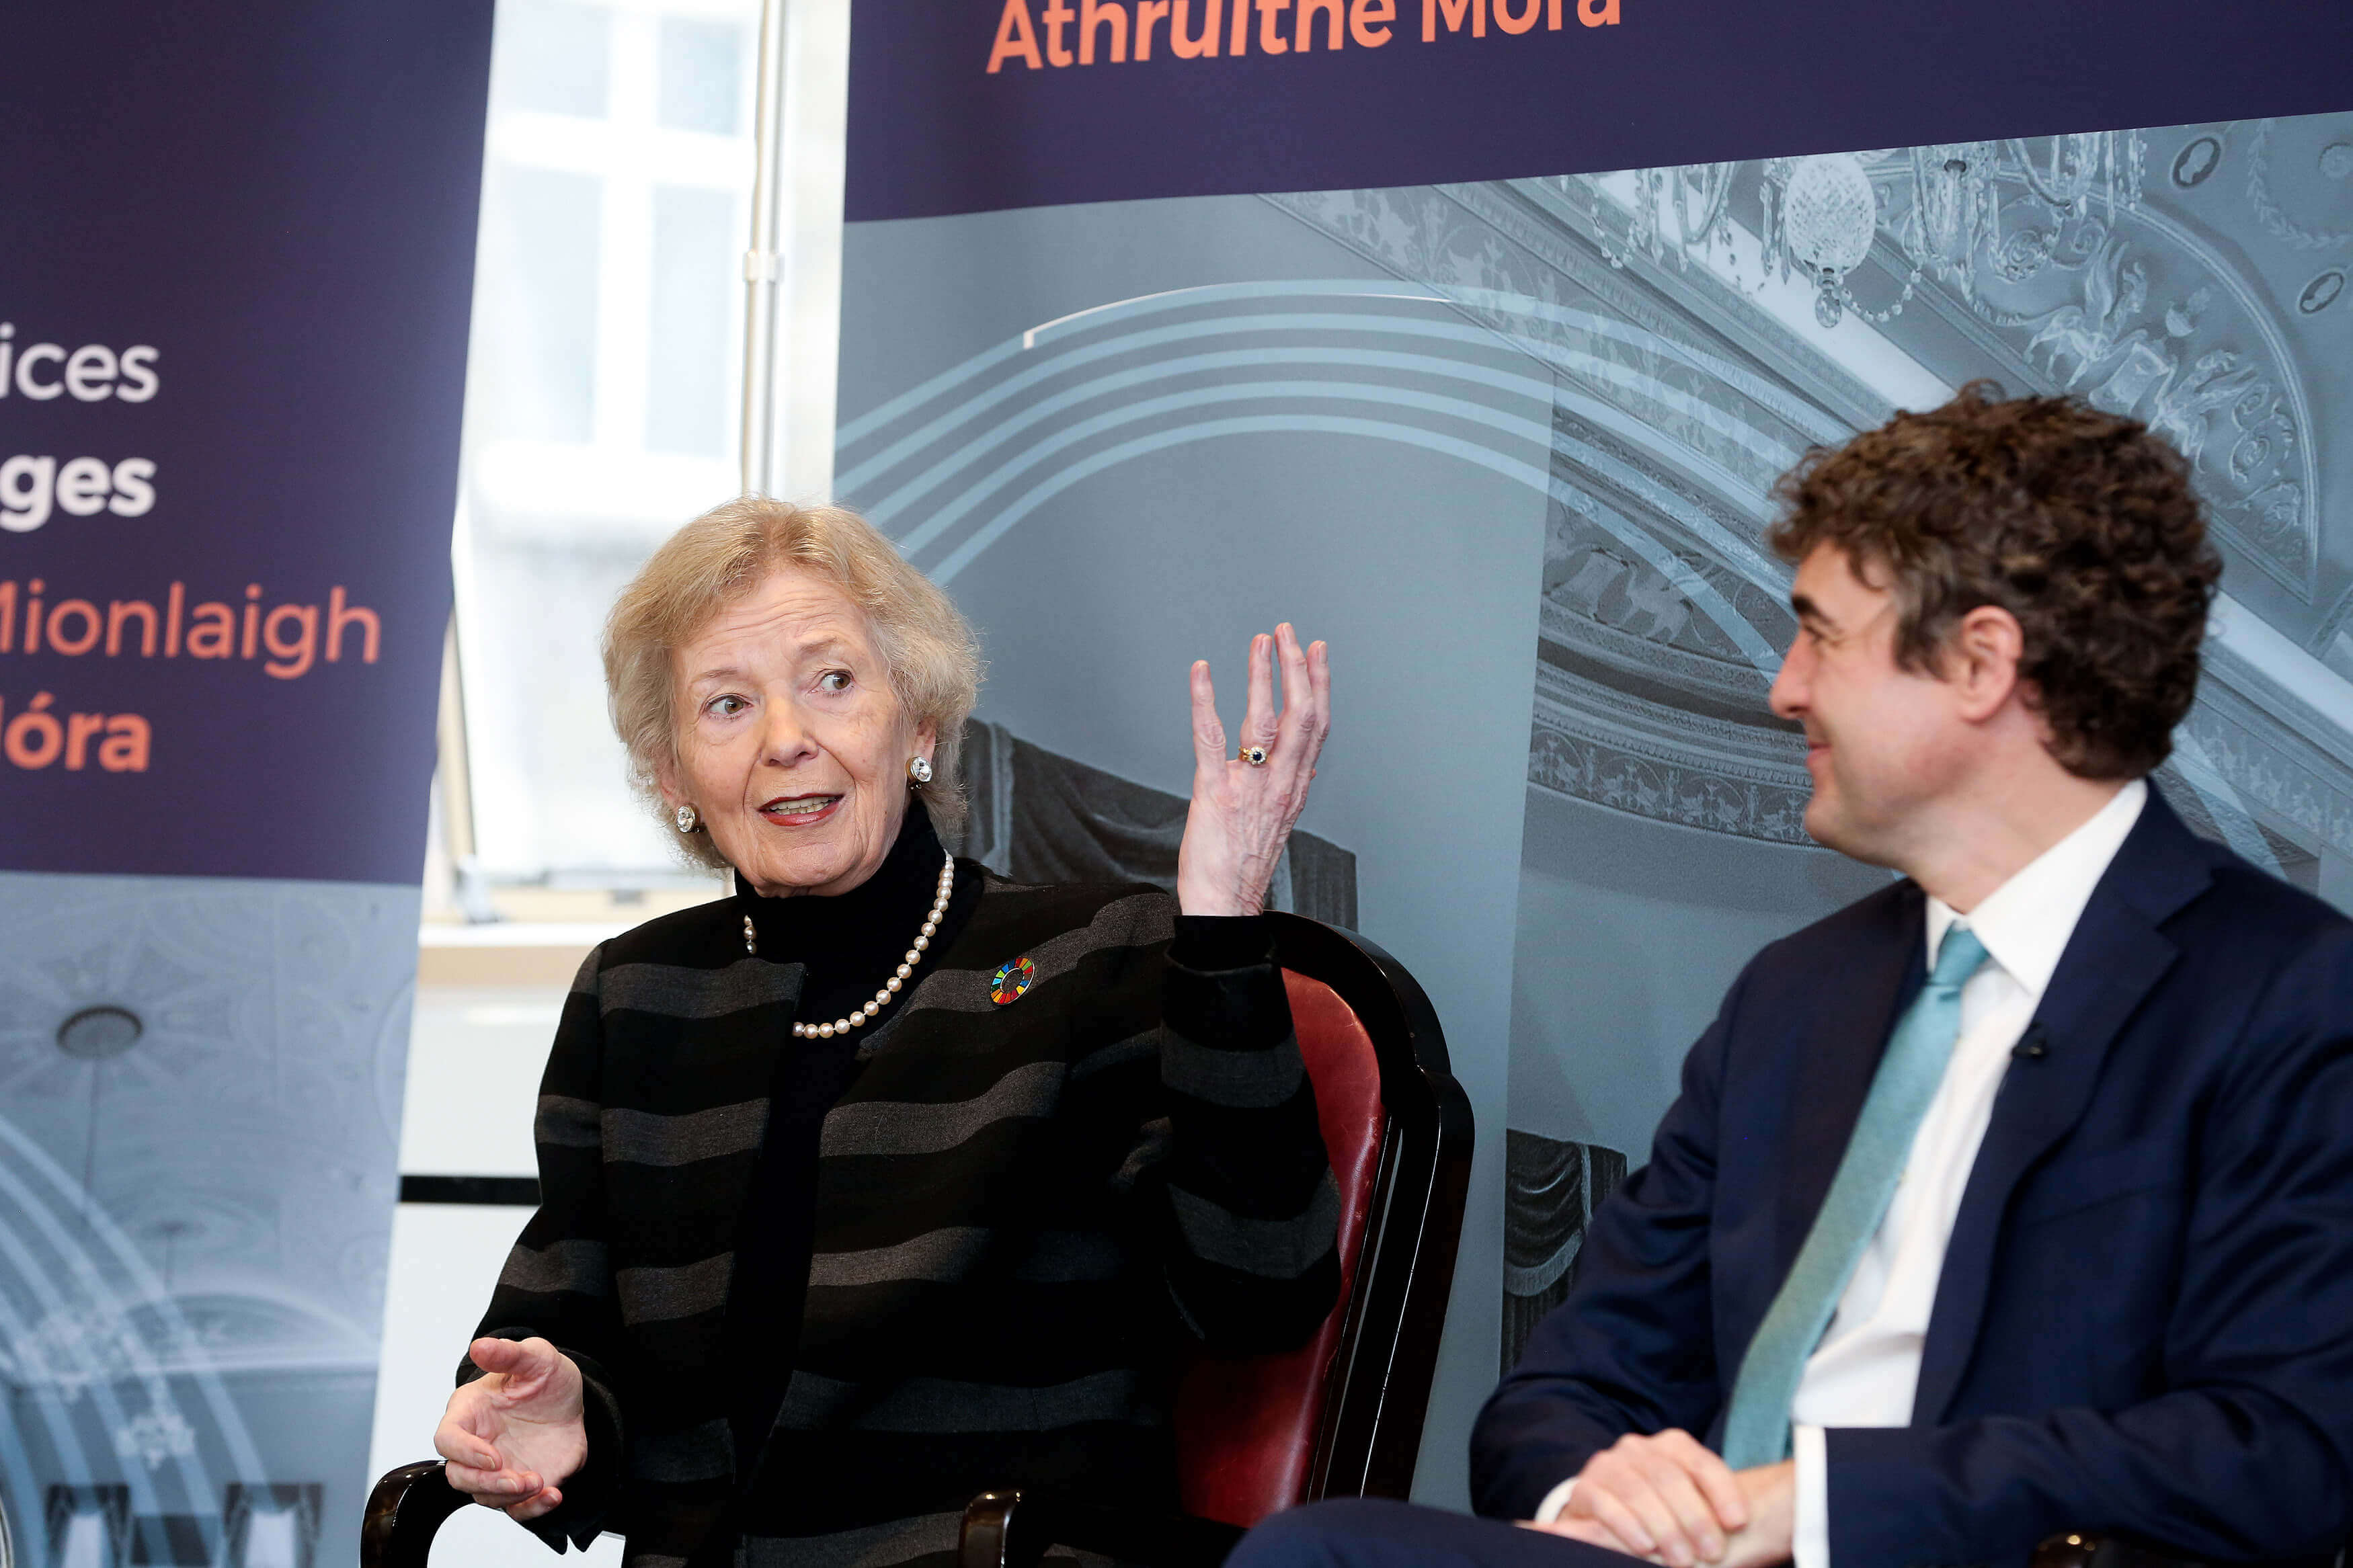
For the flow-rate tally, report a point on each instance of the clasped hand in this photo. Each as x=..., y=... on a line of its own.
x=1242, y=814
x=1668, y=1498
x=514, y=1436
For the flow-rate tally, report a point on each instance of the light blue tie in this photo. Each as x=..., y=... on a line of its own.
x=1757, y=1431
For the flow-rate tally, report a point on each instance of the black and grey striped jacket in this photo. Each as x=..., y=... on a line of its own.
x=1020, y=1210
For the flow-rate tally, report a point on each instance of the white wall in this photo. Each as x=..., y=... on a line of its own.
x=474, y=1062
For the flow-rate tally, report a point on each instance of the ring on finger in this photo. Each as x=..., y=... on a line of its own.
x=1255, y=755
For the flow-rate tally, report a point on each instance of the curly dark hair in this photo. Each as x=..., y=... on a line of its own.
x=2082, y=524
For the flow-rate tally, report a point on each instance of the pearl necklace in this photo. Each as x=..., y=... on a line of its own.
x=906, y=967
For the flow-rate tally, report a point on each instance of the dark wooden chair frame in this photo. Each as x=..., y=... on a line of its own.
x=1370, y=1434
x=1378, y=1386
x=405, y=1509
x=2077, y=1551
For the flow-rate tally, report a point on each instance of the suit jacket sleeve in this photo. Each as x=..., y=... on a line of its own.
x=2245, y=1449
x=557, y=1284
x=1632, y=1348
x=1252, y=1218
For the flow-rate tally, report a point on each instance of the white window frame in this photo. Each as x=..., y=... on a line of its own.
x=791, y=282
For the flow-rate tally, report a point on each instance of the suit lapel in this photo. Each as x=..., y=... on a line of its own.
x=1835, y=1063
x=2116, y=957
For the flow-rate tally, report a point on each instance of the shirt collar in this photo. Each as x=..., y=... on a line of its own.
x=2025, y=923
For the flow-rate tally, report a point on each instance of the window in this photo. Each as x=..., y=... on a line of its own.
x=605, y=403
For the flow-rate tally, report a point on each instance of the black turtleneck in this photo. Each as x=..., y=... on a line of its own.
x=853, y=941
x=851, y=944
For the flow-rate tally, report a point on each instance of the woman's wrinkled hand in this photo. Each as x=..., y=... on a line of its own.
x=1241, y=815
x=515, y=1436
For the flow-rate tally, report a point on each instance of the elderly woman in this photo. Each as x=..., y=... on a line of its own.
x=887, y=1181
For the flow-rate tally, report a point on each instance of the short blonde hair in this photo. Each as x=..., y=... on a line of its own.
x=931, y=656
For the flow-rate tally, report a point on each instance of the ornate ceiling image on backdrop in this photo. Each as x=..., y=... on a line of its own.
x=1728, y=315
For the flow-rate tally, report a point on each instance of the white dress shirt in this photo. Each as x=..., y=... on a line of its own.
x=1867, y=1367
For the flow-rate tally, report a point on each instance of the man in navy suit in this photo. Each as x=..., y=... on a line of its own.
x=2017, y=1198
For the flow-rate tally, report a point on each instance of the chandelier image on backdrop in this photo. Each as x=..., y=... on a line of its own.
x=1953, y=210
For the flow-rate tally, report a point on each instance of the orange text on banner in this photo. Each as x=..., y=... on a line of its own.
x=1111, y=32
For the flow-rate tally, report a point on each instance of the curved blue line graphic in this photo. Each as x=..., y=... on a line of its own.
x=65, y=1438
x=1703, y=593
x=1068, y=436
x=227, y=1422
x=874, y=418
x=1820, y=425
x=1713, y=533
x=1738, y=552
x=40, y=1275
x=1773, y=454
x=1627, y=427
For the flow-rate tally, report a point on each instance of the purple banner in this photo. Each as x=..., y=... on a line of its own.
x=975, y=105
x=236, y=265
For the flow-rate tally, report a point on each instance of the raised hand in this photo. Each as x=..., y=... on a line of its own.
x=515, y=1436
x=1241, y=814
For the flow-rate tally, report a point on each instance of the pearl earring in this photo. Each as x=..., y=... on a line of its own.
x=686, y=820
x=919, y=770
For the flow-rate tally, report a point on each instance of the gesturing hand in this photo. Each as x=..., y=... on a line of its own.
x=515, y=1436
x=1241, y=814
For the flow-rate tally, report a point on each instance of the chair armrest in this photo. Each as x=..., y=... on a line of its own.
x=2068, y=1550
x=2075, y=1550
x=403, y=1511
x=1011, y=1529
x=990, y=1537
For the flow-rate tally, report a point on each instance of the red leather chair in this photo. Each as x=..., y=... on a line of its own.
x=1342, y=1416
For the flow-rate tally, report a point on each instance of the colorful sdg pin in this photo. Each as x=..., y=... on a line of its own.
x=1011, y=980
